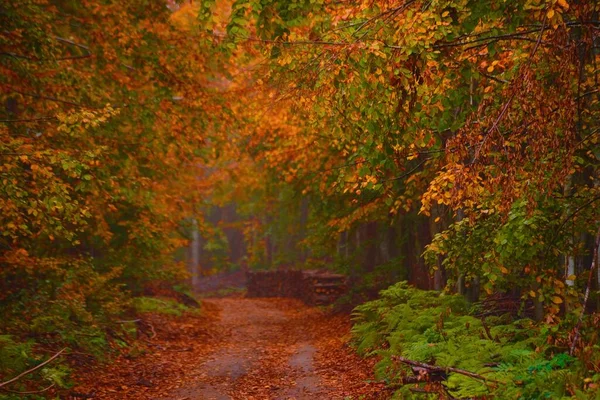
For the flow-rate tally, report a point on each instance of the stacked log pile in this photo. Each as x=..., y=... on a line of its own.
x=322, y=287
x=312, y=287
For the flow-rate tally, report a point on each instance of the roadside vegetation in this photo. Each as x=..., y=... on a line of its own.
x=449, y=145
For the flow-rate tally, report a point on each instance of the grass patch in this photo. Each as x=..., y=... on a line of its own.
x=225, y=292
x=160, y=306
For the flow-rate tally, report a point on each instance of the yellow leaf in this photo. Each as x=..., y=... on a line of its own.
x=563, y=4
x=504, y=270
x=437, y=219
x=532, y=293
x=550, y=14
x=556, y=300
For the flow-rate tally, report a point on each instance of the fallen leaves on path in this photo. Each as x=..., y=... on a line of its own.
x=240, y=349
x=154, y=367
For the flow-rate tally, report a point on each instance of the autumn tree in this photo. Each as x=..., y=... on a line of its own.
x=106, y=107
x=474, y=123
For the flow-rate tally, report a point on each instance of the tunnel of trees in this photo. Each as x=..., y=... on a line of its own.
x=444, y=145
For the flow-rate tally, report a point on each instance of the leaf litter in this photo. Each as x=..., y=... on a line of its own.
x=238, y=348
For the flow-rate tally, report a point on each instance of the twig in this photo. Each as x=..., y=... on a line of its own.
x=142, y=323
x=494, y=78
x=510, y=99
x=508, y=36
x=567, y=219
x=444, y=369
x=72, y=43
x=30, y=392
x=32, y=369
x=152, y=329
x=158, y=346
x=407, y=173
x=50, y=98
x=587, y=293
x=10, y=121
x=486, y=328
x=575, y=212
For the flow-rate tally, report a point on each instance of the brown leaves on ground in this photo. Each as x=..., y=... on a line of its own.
x=155, y=366
x=339, y=365
x=239, y=349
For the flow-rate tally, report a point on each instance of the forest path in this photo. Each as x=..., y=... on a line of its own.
x=267, y=352
x=241, y=349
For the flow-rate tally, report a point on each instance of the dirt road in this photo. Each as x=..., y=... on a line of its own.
x=265, y=353
x=247, y=349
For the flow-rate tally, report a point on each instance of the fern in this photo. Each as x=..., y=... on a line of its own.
x=438, y=329
x=14, y=357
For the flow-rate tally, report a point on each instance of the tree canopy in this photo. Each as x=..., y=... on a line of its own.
x=450, y=143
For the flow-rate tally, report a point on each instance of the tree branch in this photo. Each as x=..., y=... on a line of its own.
x=435, y=368
x=16, y=378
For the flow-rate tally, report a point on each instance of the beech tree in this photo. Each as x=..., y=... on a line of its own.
x=475, y=121
x=105, y=110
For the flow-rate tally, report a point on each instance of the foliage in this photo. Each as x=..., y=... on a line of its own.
x=161, y=306
x=104, y=111
x=509, y=253
x=519, y=359
x=467, y=126
x=446, y=108
x=16, y=357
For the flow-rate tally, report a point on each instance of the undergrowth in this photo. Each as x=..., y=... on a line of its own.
x=75, y=325
x=513, y=358
x=160, y=306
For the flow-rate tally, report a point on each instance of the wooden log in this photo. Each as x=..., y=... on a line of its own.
x=312, y=287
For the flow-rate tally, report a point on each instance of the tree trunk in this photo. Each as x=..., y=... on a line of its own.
x=460, y=281
x=438, y=275
x=194, y=253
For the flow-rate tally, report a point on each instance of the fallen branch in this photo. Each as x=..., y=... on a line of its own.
x=145, y=324
x=32, y=369
x=435, y=368
x=29, y=392
x=153, y=331
x=487, y=330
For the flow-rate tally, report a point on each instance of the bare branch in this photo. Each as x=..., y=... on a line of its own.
x=16, y=378
x=435, y=368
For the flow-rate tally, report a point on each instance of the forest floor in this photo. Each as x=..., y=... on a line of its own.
x=238, y=348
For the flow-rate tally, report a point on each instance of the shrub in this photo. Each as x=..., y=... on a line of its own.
x=520, y=359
